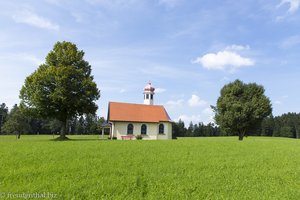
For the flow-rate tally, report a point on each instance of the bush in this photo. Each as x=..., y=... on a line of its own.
x=114, y=138
x=139, y=137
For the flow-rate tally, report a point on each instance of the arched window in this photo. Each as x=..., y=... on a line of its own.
x=144, y=129
x=129, y=129
x=161, y=129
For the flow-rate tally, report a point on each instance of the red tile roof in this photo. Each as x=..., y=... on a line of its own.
x=137, y=112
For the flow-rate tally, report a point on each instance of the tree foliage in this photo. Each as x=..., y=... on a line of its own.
x=3, y=115
x=62, y=88
x=19, y=123
x=16, y=123
x=241, y=108
x=286, y=125
x=178, y=129
x=195, y=130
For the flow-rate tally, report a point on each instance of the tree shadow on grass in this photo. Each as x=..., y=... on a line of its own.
x=58, y=139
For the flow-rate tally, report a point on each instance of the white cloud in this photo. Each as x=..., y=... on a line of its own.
x=203, y=114
x=206, y=116
x=293, y=5
x=162, y=71
x=117, y=5
x=54, y=2
x=122, y=91
x=27, y=17
x=290, y=41
x=235, y=47
x=21, y=57
x=281, y=100
x=195, y=101
x=31, y=58
x=284, y=96
x=278, y=102
x=169, y=3
x=189, y=118
x=160, y=90
x=173, y=103
x=225, y=79
x=225, y=60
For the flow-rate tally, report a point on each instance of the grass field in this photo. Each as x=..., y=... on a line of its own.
x=192, y=168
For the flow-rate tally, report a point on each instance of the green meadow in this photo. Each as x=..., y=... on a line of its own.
x=191, y=168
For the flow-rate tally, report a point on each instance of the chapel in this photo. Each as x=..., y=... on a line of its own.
x=127, y=120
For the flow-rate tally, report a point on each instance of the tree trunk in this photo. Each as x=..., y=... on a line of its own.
x=63, y=130
x=241, y=136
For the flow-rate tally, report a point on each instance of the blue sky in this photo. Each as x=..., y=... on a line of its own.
x=188, y=49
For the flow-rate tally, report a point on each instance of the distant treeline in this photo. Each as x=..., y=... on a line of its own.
x=15, y=122
x=286, y=125
x=195, y=130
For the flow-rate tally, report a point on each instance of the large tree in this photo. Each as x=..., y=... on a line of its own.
x=62, y=88
x=241, y=108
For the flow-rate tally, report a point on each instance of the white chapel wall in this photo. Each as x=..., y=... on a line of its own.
x=120, y=129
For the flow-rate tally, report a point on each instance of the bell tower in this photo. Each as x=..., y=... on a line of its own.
x=148, y=94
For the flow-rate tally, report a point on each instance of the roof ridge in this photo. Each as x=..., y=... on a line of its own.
x=134, y=103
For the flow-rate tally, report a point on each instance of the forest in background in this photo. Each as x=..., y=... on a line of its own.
x=14, y=122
